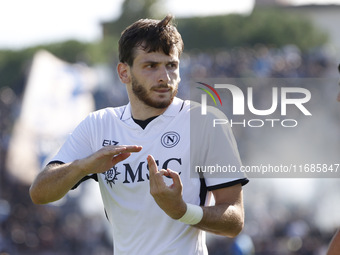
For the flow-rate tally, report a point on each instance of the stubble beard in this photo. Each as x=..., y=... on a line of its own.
x=142, y=94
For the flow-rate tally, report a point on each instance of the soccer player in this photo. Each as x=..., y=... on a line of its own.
x=334, y=247
x=131, y=149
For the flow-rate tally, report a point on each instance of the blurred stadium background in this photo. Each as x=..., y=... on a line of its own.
x=45, y=90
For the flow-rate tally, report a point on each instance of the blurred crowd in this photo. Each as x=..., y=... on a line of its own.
x=65, y=229
x=260, y=61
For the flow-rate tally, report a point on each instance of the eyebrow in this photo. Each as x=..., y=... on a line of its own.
x=150, y=62
x=157, y=62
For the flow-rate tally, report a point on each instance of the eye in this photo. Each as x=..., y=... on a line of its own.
x=172, y=65
x=150, y=65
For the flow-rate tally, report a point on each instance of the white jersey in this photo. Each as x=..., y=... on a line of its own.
x=139, y=225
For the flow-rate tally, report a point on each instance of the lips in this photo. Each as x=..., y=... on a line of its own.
x=161, y=89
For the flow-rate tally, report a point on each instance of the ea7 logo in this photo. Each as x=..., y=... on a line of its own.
x=109, y=142
x=239, y=100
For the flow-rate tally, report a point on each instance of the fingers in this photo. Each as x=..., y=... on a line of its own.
x=156, y=177
x=175, y=178
x=157, y=183
x=120, y=157
x=132, y=148
x=123, y=148
x=116, y=150
x=122, y=152
x=153, y=169
x=168, y=198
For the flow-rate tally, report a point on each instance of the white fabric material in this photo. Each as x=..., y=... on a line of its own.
x=139, y=225
x=193, y=214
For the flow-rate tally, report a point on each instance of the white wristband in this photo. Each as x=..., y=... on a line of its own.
x=193, y=215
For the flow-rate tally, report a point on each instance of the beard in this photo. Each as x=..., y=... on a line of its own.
x=142, y=94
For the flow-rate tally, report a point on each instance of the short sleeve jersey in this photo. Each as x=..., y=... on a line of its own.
x=139, y=225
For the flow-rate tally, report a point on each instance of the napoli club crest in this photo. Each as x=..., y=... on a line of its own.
x=170, y=139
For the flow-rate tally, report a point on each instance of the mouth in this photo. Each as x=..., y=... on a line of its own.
x=162, y=89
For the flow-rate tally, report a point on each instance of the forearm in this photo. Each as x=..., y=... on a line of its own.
x=55, y=181
x=223, y=219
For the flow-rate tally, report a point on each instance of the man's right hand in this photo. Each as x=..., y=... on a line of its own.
x=55, y=181
x=106, y=158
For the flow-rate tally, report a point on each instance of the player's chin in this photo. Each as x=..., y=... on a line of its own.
x=162, y=102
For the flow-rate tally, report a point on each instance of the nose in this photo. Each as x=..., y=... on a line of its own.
x=164, y=76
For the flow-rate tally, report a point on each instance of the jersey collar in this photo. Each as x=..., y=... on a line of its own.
x=173, y=109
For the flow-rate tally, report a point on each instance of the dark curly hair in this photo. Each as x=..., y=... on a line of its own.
x=152, y=35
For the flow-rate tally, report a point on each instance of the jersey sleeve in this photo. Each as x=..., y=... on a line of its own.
x=215, y=150
x=77, y=144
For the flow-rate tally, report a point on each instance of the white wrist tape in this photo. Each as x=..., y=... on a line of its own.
x=193, y=215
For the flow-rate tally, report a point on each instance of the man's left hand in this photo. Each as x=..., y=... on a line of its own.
x=168, y=198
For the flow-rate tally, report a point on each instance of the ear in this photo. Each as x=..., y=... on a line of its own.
x=124, y=72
